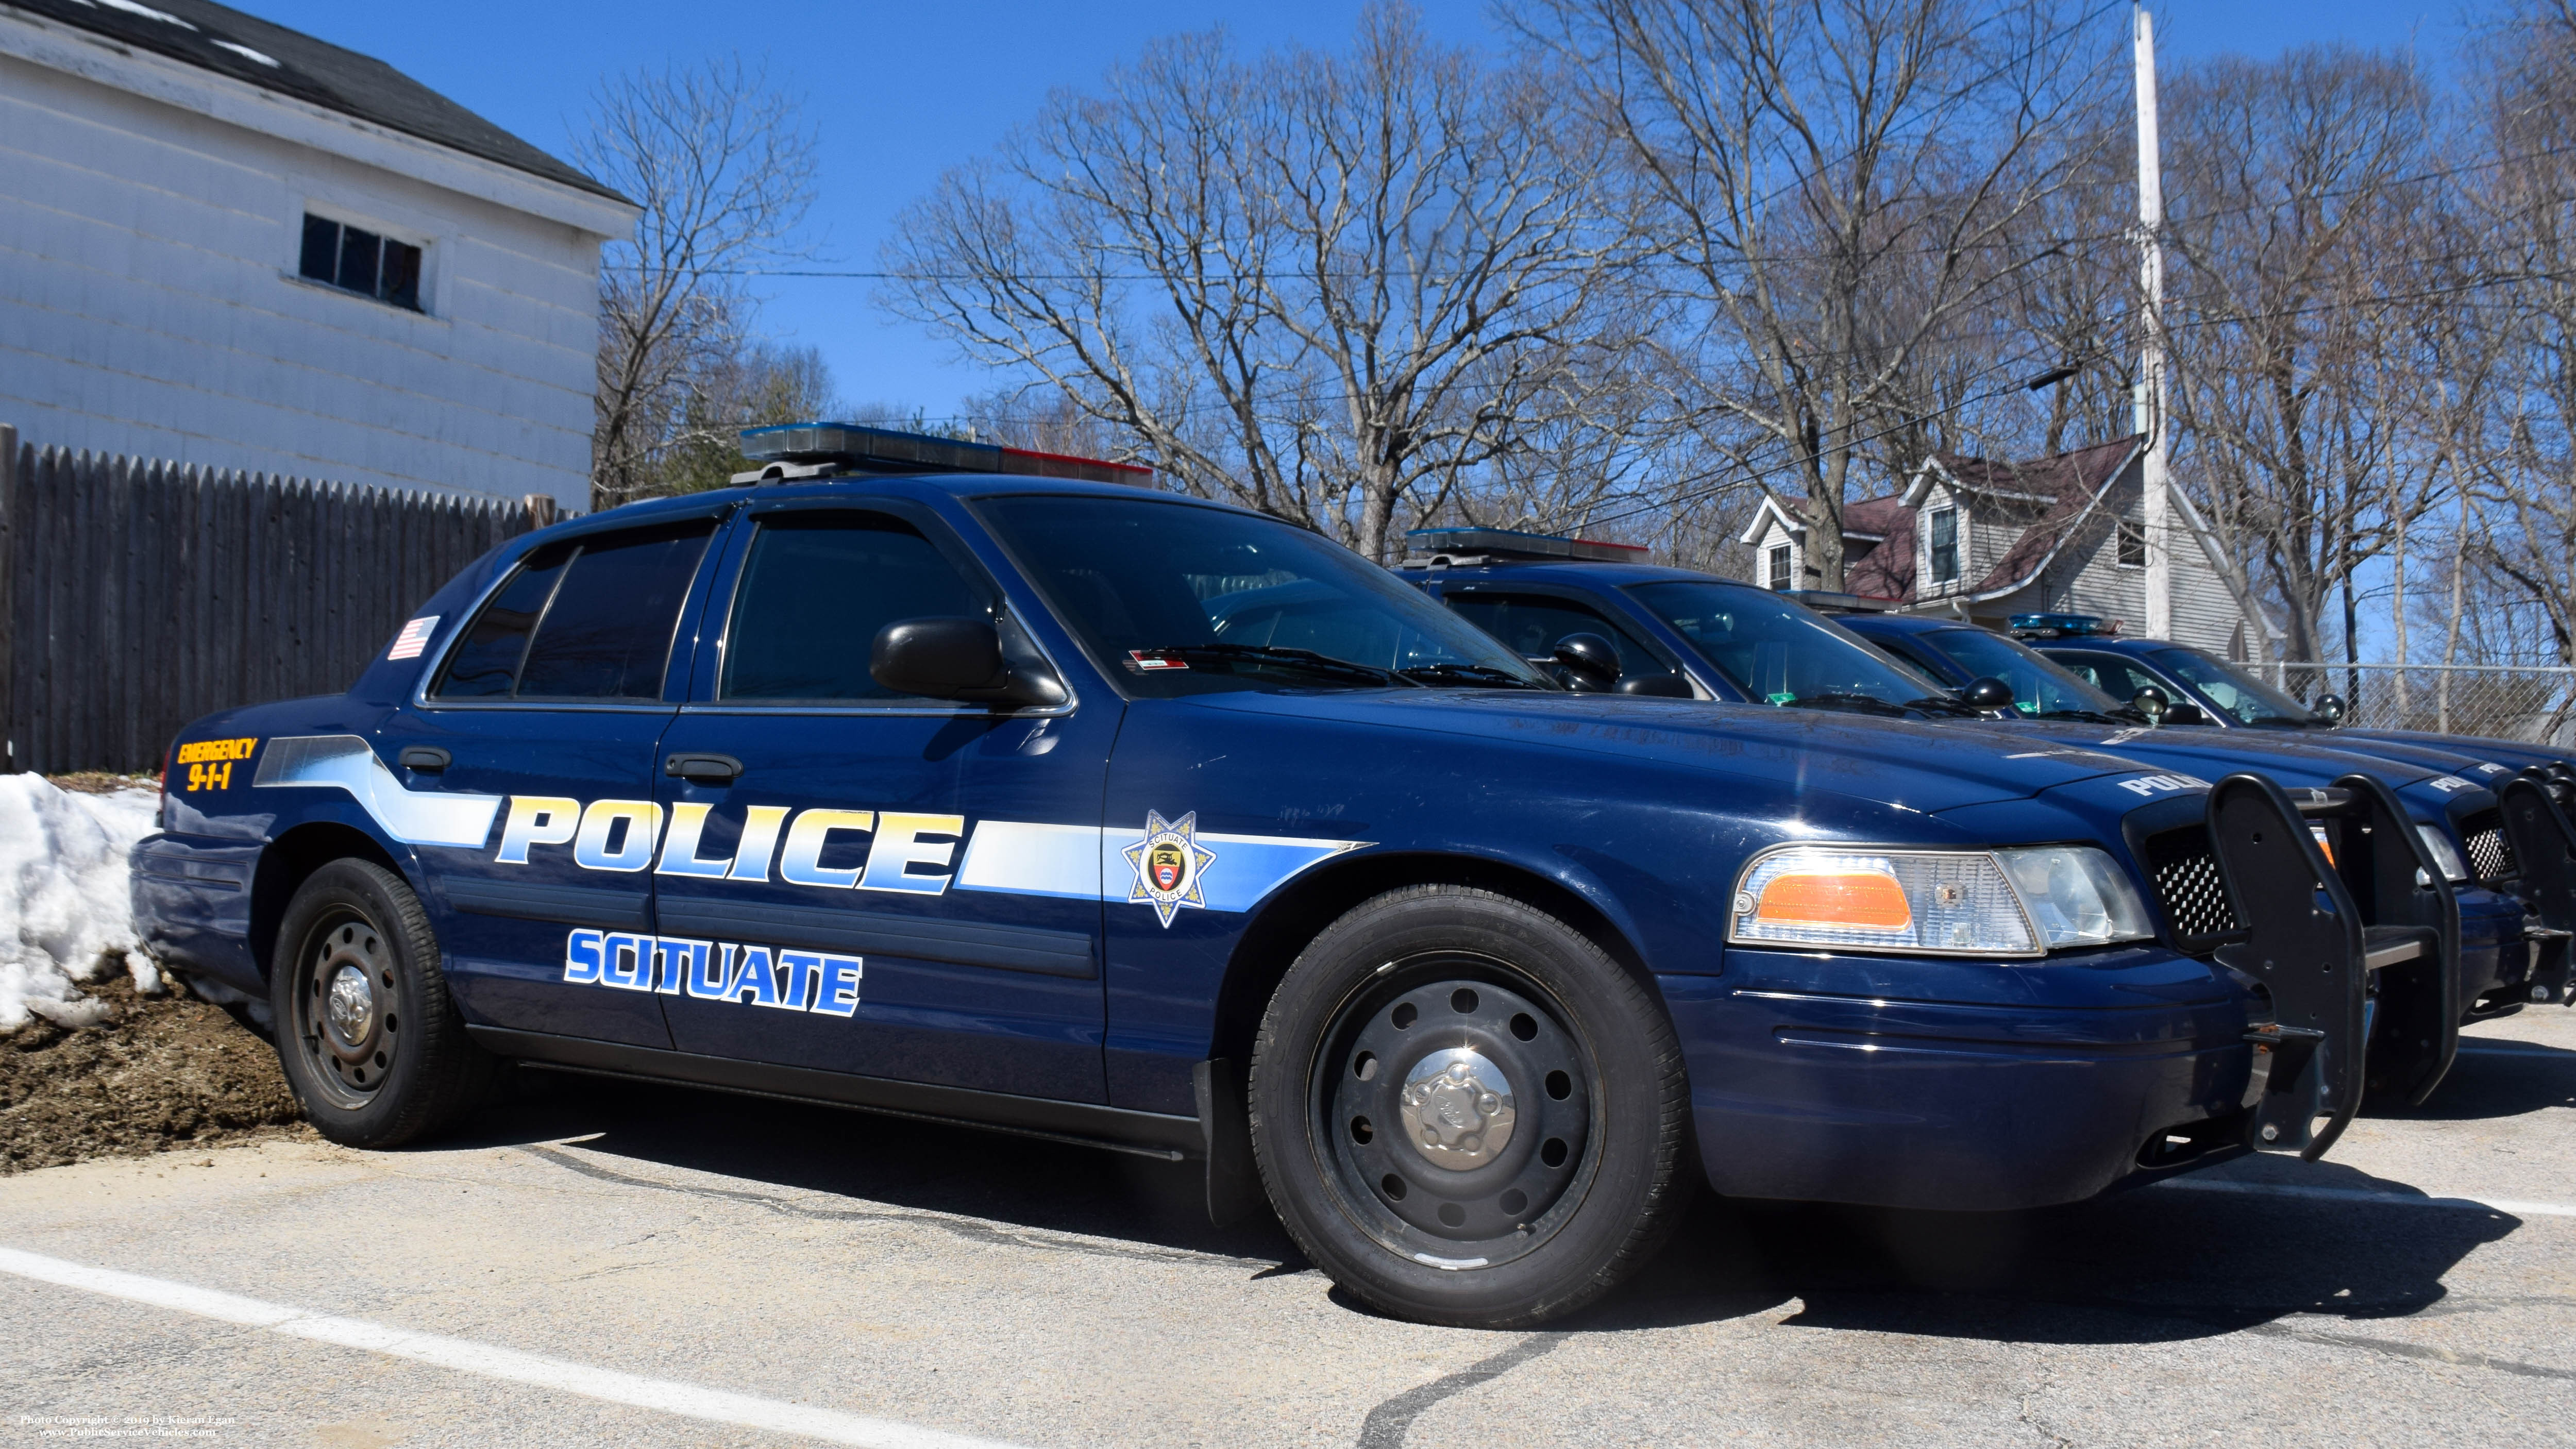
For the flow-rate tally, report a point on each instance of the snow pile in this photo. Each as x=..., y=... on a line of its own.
x=63, y=906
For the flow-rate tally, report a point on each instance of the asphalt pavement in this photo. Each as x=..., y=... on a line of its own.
x=621, y=1264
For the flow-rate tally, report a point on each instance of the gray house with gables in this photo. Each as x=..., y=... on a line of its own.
x=1980, y=540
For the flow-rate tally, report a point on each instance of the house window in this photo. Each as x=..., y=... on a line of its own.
x=357, y=260
x=1945, y=545
x=1776, y=566
x=2133, y=544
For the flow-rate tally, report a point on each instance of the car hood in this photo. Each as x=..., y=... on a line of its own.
x=2211, y=753
x=1921, y=767
x=2487, y=761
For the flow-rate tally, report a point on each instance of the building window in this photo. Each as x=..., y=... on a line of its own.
x=2133, y=544
x=357, y=260
x=1945, y=545
x=1776, y=566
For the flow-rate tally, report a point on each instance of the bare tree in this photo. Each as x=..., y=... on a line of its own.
x=751, y=384
x=2309, y=254
x=2517, y=532
x=1840, y=188
x=1331, y=286
x=724, y=169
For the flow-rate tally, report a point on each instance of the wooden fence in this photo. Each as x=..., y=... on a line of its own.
x=137, y=595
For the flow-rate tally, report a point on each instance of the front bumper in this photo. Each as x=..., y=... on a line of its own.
x=1963, y=1085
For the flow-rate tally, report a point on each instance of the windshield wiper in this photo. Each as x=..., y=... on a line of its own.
x=1306, y=659
x=1949, y=704
x=1484, y=674
x=2088, y=716
x=1844, y=699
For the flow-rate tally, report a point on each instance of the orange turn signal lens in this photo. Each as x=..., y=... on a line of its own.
x=1862, y=900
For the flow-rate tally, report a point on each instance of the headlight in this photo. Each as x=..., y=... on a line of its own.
x=2077, y=895
x=1953, y=903
x=2439, y=847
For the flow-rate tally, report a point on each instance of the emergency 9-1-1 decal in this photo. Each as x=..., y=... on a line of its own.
x=715, y=971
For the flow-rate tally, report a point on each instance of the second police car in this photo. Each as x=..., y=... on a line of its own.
x=1097, y=813
x=1672, y=631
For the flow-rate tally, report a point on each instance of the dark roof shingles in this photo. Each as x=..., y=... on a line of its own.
x=308, y=70
x=2069, y=481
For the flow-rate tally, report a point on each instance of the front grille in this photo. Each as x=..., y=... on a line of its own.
x=2490, y=854
x=2187, y=882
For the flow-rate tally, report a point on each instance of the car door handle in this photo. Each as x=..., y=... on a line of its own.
x=703, y=769
x=427, y=759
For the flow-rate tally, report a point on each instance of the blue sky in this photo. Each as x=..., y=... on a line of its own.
x=900, y=92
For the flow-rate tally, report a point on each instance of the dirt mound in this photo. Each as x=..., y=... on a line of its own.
x=164, y=1072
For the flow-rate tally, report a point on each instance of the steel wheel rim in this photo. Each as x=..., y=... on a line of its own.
x=347, y=1018
x=1454, y=1139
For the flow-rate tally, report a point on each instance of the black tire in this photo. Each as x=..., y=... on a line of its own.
x=392, y=1063
x=1379, y=1130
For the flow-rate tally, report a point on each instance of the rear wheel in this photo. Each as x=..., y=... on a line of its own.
x=1466, y=1112
x=370, y=1038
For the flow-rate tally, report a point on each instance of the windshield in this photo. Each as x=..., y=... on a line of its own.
x=1181, y=599
x=2041, y=686
x=1776, y=651
x=2247, y=699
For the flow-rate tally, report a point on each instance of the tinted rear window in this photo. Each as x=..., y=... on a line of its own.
x=588, y=618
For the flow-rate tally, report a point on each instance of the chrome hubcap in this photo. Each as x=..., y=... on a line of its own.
x=350, y=1012
x=1457, y=1109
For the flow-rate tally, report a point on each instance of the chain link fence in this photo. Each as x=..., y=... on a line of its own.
x=2502, y=701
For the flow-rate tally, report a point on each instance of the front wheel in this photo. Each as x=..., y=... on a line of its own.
x=370, y=1039
x=1466, y=1112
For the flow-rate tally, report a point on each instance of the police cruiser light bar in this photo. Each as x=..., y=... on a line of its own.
x=1453, y=547
x=2062, y=626
x=791, y=451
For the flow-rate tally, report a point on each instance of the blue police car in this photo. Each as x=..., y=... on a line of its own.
x=2506, y=961
x=2203, y=689
x=1608, y=622
x=1087, y=811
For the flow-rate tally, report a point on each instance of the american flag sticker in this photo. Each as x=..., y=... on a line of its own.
x=413, y=638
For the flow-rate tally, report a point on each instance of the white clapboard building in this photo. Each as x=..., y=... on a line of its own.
x=1971, y=538
x=229, y=244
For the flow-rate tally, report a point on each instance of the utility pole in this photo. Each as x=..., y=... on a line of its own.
x=2149, y=397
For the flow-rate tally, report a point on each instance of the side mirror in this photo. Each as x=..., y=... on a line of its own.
x=954, y=658
x=2330, y=708
x=2151, y=702
x=1659, y=686
x=2186, y=714
x=1591, y=659
x=1987, y=693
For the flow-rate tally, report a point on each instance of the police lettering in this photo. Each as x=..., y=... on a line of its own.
x=903, y=851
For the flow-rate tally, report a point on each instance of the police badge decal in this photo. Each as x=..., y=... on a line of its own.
x=1169, y=862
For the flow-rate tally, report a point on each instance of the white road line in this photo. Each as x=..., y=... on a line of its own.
x=464, y=1356
x=2386, y=1199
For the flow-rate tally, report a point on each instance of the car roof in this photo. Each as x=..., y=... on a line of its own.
x=959, y=485
x=1574, y=572
x=1897, y=624
x=2107, y=643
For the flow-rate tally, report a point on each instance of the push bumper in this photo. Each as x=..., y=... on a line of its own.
x=2544, y=854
